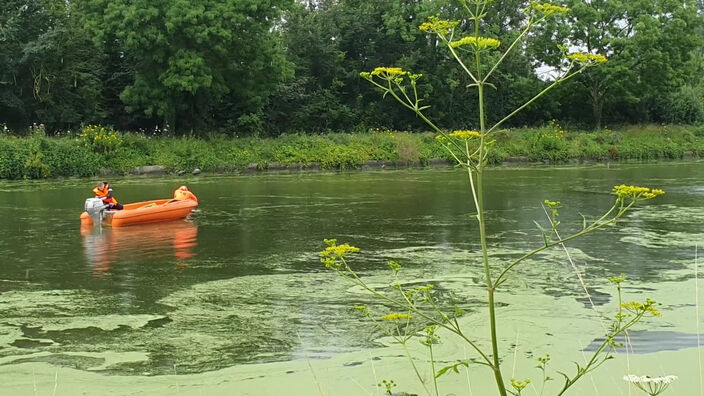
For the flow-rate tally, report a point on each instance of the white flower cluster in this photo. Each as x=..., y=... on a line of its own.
x=645, y=379
x=653, y=386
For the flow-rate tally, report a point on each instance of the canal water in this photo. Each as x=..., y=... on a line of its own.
x=240, y=283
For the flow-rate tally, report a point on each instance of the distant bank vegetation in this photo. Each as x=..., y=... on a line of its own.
x=99, y=150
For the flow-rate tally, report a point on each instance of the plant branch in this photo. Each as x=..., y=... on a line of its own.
x=595, y=362
x=358, y=281
x=415, y=369
x=510, y=48
x=541, y=93
x=591, y=228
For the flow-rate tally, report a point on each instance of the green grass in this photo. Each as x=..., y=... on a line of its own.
x=42, y=157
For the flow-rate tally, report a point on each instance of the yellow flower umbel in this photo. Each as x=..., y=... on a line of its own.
x=638, y=308
x=334, y=252
x=547, y=8
x=465, y=135
x=441, y=138
x=519, y=385
x=390, y=71
x=586, y=58
x=634, y=192
x=479, y=43
x=393, y=317
x=439, y=26
x=552, y=204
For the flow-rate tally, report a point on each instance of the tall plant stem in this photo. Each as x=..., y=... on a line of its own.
x=696, y=304
x=432, y=368
x=474, y=191
x=490, y=289
x=496, y=367
x=487, y=270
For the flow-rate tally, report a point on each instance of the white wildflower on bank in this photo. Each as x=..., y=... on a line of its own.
x=651, y=385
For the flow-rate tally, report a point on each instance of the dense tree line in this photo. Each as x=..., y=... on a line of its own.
x=267, y=67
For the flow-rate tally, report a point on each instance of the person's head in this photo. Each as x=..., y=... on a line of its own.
x=183, y=188
x=102, y=185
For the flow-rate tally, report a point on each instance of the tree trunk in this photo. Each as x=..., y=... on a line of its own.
x=597, y=105
x=170, y=121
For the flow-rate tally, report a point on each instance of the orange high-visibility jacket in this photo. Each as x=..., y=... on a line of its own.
x=182, y=195
x=102, y=194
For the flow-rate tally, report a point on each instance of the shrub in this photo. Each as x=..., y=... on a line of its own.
x=101, y=139
x=686, y=106
x=35, y=168
x=67, y=157
x=12, y=158
x=407, y=148
x=548, y=143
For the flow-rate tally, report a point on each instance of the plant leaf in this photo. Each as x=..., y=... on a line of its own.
x=454, y=368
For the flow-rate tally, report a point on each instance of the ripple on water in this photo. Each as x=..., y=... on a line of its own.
x=669, y=213
x=665, y=226
x=644, y=341
x=661, y=239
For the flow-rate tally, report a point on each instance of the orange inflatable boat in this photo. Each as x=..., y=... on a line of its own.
x=144, y=212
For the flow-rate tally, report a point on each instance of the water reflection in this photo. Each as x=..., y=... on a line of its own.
x=105, y=246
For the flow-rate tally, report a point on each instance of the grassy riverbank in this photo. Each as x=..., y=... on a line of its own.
x=38, y=157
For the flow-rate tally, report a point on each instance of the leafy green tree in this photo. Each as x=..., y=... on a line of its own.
x=373, y=32
x=50, y=70
x=16, y=28
x=647, y=43
x=331, y=42
x=194, y=58
x=311, y=102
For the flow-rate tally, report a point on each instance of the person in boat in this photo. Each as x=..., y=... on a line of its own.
x=104, y=192
x=183, y=193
